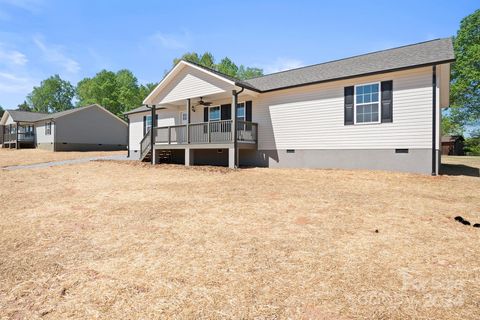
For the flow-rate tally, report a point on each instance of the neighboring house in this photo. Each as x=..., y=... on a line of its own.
x=374, y=111
x=80, y=129
x=453, y=145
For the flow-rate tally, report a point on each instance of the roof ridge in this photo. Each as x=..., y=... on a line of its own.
x=346, y=58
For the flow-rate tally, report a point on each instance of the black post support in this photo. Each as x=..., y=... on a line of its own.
x=234, y=126
x=152, y=135
x=16, y=141
x=128, y=136
x=434, y=121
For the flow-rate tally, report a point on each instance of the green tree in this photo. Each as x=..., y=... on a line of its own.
x=127, y=90
x=53, y=95
x=472, y=144
x=145, y=90
x=207, y=60
x=450, y=126
x=2, y=111
x=117, y=92
x=24, y=106
x=228, y=67
x=189, y=56
x=465, y=84
x=245, y=73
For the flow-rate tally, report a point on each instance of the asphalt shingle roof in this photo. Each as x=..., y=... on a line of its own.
x=27, y=116
x=424, y=53
x=410, y=56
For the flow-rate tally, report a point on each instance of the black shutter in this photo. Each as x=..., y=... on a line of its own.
x=226, y=112
x=348, y=111
x=144, y=125
x=205, y=119
x=156, y=121
x=387, y=101
x=248, y=111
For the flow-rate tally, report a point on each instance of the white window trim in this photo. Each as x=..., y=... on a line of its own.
x=220, y=106
x=379, y=104
x=219, y=115
x=244, y=111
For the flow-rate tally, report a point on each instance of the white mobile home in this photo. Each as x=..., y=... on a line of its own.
x=374, y=111
x=80, y=129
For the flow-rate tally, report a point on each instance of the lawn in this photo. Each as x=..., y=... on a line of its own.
x=11, y=157
x=124, y=240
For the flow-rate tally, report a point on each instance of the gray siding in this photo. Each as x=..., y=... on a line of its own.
x=90, y=129
x=416, y=160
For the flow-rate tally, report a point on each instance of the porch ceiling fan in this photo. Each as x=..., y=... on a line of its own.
x=203, y=103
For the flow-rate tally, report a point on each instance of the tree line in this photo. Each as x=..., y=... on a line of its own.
x=117, y=91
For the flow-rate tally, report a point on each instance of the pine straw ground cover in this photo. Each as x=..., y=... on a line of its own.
x=13, y=157
x=114, y=240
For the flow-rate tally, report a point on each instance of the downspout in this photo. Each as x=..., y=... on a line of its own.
x=235, y=126
x=434, y=121
x=152, y=136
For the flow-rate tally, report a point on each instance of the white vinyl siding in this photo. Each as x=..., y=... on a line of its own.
x=40, y=135
x=312, y=117
x=166, y=117
x=191, y=83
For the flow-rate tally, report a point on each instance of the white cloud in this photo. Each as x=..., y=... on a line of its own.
x=171, y=41
x=55, y=55
x=32, y=6
x=11, y=83
x=12, y=57
x=281, y=64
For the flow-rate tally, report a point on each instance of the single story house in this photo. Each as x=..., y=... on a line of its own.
x=374, y=111
x=80, y=129
x=453, y=145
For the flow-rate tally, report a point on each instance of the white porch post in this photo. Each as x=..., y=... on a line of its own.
x=188, y=121
x=231, y=158
x=188, y=157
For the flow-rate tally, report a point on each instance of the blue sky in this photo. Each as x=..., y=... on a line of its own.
x=76, y=39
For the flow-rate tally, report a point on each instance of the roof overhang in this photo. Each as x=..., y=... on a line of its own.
x=178, y=76
x=188, y=81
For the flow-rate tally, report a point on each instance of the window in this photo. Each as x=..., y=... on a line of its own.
x=48, y=128
x=241, y=111
x=214, y=114
x=367, y=103
x=148, y=123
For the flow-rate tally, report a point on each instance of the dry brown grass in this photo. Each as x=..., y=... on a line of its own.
x=11, y=157
x=115, y=240
x=472, y=161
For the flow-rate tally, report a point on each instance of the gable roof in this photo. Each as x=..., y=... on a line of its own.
x=414, y=55
x=27, y=116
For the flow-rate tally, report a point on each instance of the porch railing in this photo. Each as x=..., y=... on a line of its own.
x=9, y=137
x=26, y=136
x=206, y=132
x=145, y=144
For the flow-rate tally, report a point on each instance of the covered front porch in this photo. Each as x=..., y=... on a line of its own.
x=18, y=134
x=193, y=110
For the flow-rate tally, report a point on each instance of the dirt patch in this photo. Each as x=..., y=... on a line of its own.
x=12, y=157
x=117, y=240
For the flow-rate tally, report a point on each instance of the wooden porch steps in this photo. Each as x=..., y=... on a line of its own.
x=165, y=156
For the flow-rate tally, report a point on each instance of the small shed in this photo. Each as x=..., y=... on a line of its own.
x=453, y=145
